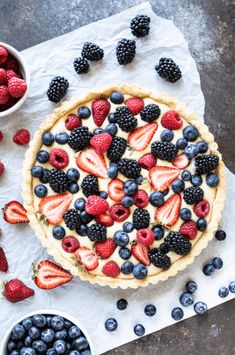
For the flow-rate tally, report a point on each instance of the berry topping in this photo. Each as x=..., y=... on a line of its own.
x=189, y=229
x=147, y=161
x=140, y=271
x=72, y=122
x=3, y=261
x=4, y=95
x=15, y=291
x=150, y=113
x=201, y=224
x=171, y=120
x=140, y=138
x=159, y=259
x=48, y=139
x=129, y=168
x=141, y=198
x=92, y=51
x=53, y=207
x=111, y=269
x=185, y=214
x=117, y=97
x=21, y=137
x=3, y=55
x=193, y=195
x=178, y=185
x=162, y=176
x=130, y=187
x=121, y=238
x=40, y=190
x=48, y=275
x=14, y=212
x=140, y=252
x=125, y=120
x=100, y=110
x=57, y=89
x=164, y=150
x=117, y=149
x=156, y=199
x=125, y=51
x=181, y=143
x=92, y=163
x=140, y=218
x=206, y=163
x=97, y=232
x=119, y=213
x=168, y=70
x=79, y=138
x=202, y=208
x=59, y=158
x=115, y=190
x=17, y=87
x=58, y=180
x=212, y=179
x=72, y=219
x=96, y=205
x=105, y=248
x=140, y=25
x=105, y=219
x=158, y=232
x=101, y=142
x=167, y=135
x=181, y=161
x=168, y=213
x=90, y=185
x=135, y=105
x=190, y=133
x=145, y=236
x=81, y=65
x=70, y=244
x=178, y=243
x=87, y=258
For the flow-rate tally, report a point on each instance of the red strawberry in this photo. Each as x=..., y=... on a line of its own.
x=140, y=138
x=11, y=63
x=70, y=244
x=100, y=110
x=73, y=121
x=2, y=168
x=168, y=213
x=140, y=252
x=141, y=198
x=3, y=76
x=171, y=120
x=119, y=213
x=17, y=87
x=87, y=257
x=3, y=261
x=92, y=163
x=96, y=205
x=145, y=236
x=105, y=219
x=202, y=208
x=105, y=248
x=135, y=105
x=189, y=229
x=101, y=142
x=162, y=176
x=59, y=158
x=1, y=136
x=181, y=161
x=21, y=137
x=147, y=161
x=115, y=190
x=3, y=55
x=4, y=95
x=14, y=212
x=111, y=269
x=53, y=207
x=15, y=291
x=48, y=275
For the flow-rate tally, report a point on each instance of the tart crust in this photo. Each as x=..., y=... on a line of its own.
x=181, y=263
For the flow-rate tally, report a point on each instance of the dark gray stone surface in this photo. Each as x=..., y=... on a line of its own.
x=208, y=26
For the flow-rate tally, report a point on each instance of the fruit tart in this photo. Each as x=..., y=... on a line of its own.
x=123, y=186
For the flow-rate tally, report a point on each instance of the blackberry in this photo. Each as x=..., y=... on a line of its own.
x=79, y=138
x=164, y=150
x=140, y=25
x=168, y=69
x=140, y=218
x=72, y=219
x=57, y=88
x=164, y=248
x=96, y=232
x=150, y=113
x=124, y=118
x=81, y=65
x=92, y=52
x=58, y=180
x=125, y=51
x=206, y=163
x=159, y=259
x=90, y=185
x=193, y=195
x=178, y=243
x=129, y=168
x=117, y=149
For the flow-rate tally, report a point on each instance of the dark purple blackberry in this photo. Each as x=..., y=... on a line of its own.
x=159, y=259
x=58, y=181
x=124, y=118
x=164, y=150
x=125, y=51
x=81, y=65
x=96, y=232
x=79, y=138
x=164, y=248
x=129, y=168
x=72, y=219
x=57, y=89
x=168, y=70
x=140, y=25
x=193, y=195
x=92, y=52
x=117, y=149
x=150, y=113
x=178, y=243
x=90, y=185
x=206, y=163
x=140, y=218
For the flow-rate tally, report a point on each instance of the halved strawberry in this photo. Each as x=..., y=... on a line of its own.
x=92, y=163
x=100, y=110
x=14, y=212
x=115, y=190
x=105, y=219
x=168, y=213
x=105, y=248
x=181, y=161
x=140, y=138
x=87, y=257
x=53, y=207
x=135, y=105
x=48, y=275
x=162, y=176
x=140, y=252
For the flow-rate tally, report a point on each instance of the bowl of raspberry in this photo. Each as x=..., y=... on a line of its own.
x=14, y=79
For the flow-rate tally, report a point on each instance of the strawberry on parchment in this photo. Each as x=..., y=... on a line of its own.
x=53, y=207
x=92, y=163
x=3, y=261
x=105, y=248
x=15, y=291
x=140, y=138
x=115, y=190
x=161, y=177
x=14, y=212
x=140, y=252
x=100, y=110
x=87, y=258
x=168, y=213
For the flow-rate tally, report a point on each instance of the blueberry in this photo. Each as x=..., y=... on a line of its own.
x=104, y=194
x=121, y=238
x=190, y=133
x=186, y=299
x=98, y=131
x=111, y=128
x=111, y=324
x=127, y=201
x=84, y=112
x=231, y=287
x=19, y=344
x=28, y=341
x=82, y=230
x=217, y=263
x=47, y=335
x=73, y=174
x=220, y=234
x=40, y=190
x=201, y=224
x=127, y=268
x=74, y=352
x=208, y=269
x=191, y=286
x=85, y=217
x=86, y=352
x=57, y=323
x=11, y=345
x=178, y=185
x=202, y=147
x=165, y=192
x=122, y=304
x=27, y=323
x=181, y=143
x=128, y=227
x=191, y=151
x=34, y=333
x=200, y=308
x=58, y=232
x=130, y=187
x=139, y=330
x=67, y=324
x=112, y=118
x=124, y=253
x=60, y=346
x=80, y=343
x=37, y=171
x=140, y=271
x=39, y=346
x=15, y=352
x=150, y=310
x=51, y=351
x=156, y=199
x=139, y=180
x=185, y=214
x=39, y=320
x=223, y=292
x=18, y=332
x=196, y=180
x=186, y=175
x=212, y=180
x=73, y=188
x=48, y=139
x=112, y=171
x=43, y=156
x=61, y=334
x=79, y=204
x=74, y=332
x=27, y=351
x=61, y=138
x=177, y=313
x=45, y=176
x=158, y=232
x=116, y=97
x=49, y=318
x=167, y=135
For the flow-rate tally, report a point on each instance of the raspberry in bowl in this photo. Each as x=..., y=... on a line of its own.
x=14, y=79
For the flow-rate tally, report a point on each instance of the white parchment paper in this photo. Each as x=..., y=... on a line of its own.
x=93, y=304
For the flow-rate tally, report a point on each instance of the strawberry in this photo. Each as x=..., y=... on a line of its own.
x=3, y=76
x=135, y=105
x=96, y=205
x=119, y=213
x=14, y=212
x=105, y=248
x=100, y=110
x=147, y=161
x=145, y=236
x=181, y=161
x=115, y=190
x=140, y=138
x=87, y=257
x=111, y=269
x=92, y=163
x=141, y=198
x=3, y=55
x=101, y=142
x=70, y=244
x=10, y=74
x=168, y=213
x=171, y=120
x=2, y=168
x=59, y=158
x=189, y=229
x=162, y=176
x=17, y=87
x=4, y=95
x=3, y=261
x=48, y=275
x=202, y=208
x=53, y=207
x=140, y=252
x=73, y=121
x=105, y=219
x=15, y=291
x=21, y=137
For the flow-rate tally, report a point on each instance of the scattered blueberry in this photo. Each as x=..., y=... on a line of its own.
x=200, y=308
x=196, y=180
x=73, y=174
x=40, y=190
x=60, y=346
x=212, y=179
x=58, y=232
x=104, y=194
x=61, y=138
x=139, y=180
x=85, y=217
x=181, y=143
x=139, y=330
x=223, y=292
x=48, y=139
x=201, y=224
x=79, y=204
x=165, y=192
x=47, y=335
x=127, y=201
x=191, y=151
x=158, y=232
x=111, y=324
x=112, y=118
x=127, y=268
x=43, y=156
x=150, y=310
x=73, y=188
x=122, y=304
x=190, y=133
x=231, y=287
x=220, y=234
x=124, y=253
x=98, y=130
x=74, y=332
x=186, y=175
x=130, y=187
x=39, y=346
x=34, y=333
x=208, y=269
x=121, y=238
x=140, y=271
x=45, y=176
x=202, y=147
x=84, y=112
x=37, y=171
x=156, y=199
x=112, y=171
x=191, y=286
x=128, y=227
x=27, y=323
x=82, y=230
x=186, y=299
x=167, y=135
x=111, y=128
x=177, y=313
x=217, y=263
x=185, y=214
x=117, y=97
x=18, y=332
x=178, y=185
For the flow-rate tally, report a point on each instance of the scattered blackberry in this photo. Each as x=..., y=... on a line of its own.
x=193, y=195
x=164, y=248
x=206, y=163
x=126, y=121
x=159, y=259
x=79, y=138
x=168, y=69
x=129, y=168
x=90, y=185
x=117, y=149
x=164, y=150
x=150, y=113
x=72, y=219
x=81, y=65
x=125, y=51
x=96, y=232
x=178, y=243
x=57, y=88
x=140, y=25
x=92, y=52
x=58, y=180
x=140, y=218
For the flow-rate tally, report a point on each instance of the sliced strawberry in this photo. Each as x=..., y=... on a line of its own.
x=189, y=229
x=87, y=257
x=96, y=205
x=140, y=138
x=115, y=190
x=105, y=248
x=100, y=110
x=111, y=269
x=162, y=176
x=92, y=163
x=140, y=252
x=14, y=212
x=147, y=161
x=135, y=105
x=105, y=219
x=168, y=213
x=181, y=161
x=53, y=207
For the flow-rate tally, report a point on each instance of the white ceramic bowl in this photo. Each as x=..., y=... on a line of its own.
x=3, y=344
x=24, y=69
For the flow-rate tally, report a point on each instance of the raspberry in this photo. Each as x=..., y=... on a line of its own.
x=22, y=137
x=1, y=136
x=171, y=120
x=101, y=142
x=111, y=269
x=11, y=102
x=3, y=76
x=147, y=161
x=202, y=208
x=17, y=87
x=105, y=248
x=11, y=64
x=2, y=168
x=4, y=95
x=135, y=105
x=145, y=236
x=70, y=244
x=141, y=199
x=59, y=158
x=119, y=213
x=96, y=205
x=3, y=55
x=11, y=74
x=189, y=229
x=73, y=121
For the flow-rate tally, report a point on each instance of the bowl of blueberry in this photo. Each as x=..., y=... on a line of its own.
x=47, y=332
